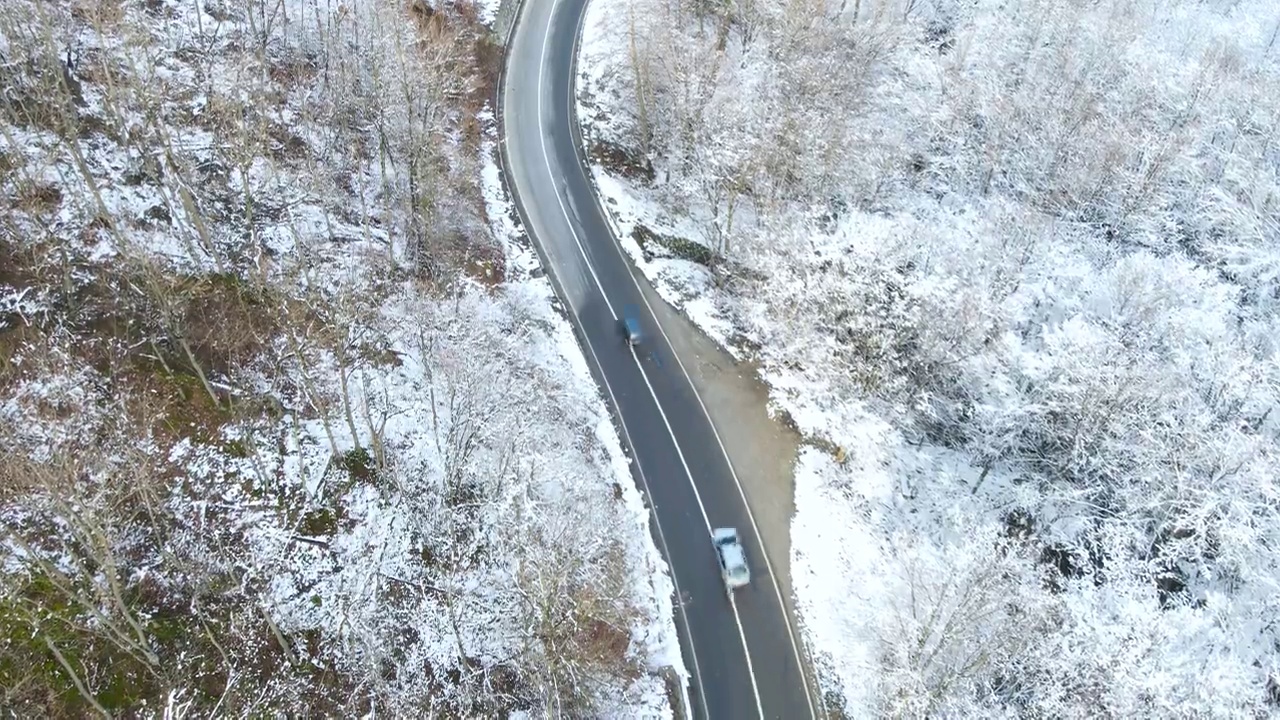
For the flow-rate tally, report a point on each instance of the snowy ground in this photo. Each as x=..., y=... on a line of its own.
x=890, y=525
x=688, y=285
x=438, y=501
x=655, y=632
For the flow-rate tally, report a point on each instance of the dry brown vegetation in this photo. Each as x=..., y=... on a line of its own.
x=169, y=355
x=200, y=212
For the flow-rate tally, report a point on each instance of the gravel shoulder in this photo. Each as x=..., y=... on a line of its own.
x=762, y=449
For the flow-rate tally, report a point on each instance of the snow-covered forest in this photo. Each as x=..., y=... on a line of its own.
x=290, y=427
x=1013, y=267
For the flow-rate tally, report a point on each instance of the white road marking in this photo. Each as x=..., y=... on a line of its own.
x=773, y=580
x=746, y=652
x=542, y=64
x=795, y=647
x=662, y=537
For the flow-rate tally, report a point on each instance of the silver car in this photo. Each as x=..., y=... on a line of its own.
x=733, y=559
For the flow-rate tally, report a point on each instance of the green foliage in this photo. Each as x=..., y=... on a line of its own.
x=237, y=449
x=320, y=522
x=24, y=658
x=37, y=614
x=360, y=465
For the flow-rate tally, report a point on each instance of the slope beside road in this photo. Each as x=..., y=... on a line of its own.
x=740, y=651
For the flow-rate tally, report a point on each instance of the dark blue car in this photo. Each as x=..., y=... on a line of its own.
x=631, y=325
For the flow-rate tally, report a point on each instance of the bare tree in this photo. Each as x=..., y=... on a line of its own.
x=961, y=618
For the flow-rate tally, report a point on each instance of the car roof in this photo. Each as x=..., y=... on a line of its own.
x=734, y=557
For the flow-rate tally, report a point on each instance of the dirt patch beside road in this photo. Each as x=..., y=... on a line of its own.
x=762, y=449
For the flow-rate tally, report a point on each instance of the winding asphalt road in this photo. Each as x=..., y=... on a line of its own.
x=740, y=651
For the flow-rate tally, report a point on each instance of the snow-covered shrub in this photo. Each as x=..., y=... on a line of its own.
x=1039, y=238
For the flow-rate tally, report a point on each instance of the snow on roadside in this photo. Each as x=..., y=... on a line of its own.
x=850, y=487
x=653, y=635
x=822, y=538
x=834, y=537
x=833, y=569
x=686, y=285
x=487, y=11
